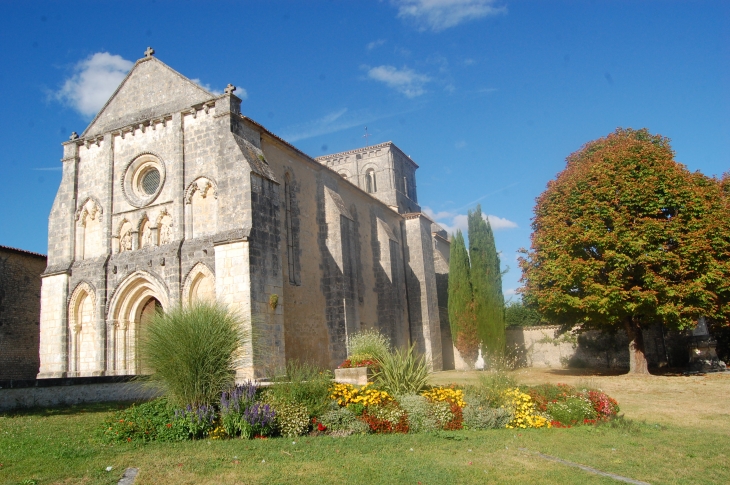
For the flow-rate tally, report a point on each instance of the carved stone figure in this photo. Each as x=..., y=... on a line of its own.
x=125, y=243
x=146, y=239
x=165, y=233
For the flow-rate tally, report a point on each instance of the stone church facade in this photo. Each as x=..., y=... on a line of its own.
x=172, y=195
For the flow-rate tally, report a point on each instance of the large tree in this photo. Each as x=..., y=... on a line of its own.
x=461, y=304
x=626, y=237
x=486, y=282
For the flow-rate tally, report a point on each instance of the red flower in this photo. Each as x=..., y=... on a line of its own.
x=321, y=427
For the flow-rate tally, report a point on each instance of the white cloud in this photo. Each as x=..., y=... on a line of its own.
x=498, y=223
x=438, y=15
x=330, y=123
x=405, y=81
x=240, y=92
x=452, y=221
x=93, y=82
x=376, y=43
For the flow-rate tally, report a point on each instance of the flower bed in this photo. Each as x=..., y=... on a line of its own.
x=248, y=411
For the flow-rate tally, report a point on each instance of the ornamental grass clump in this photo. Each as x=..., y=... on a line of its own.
x=402, y=372
x=193, y=351
x=368, y=345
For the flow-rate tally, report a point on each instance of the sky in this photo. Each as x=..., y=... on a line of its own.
x=488, y=96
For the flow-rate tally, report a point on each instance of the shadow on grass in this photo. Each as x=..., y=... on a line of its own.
x=584, y=372
x=587, y=372
x=68, y=410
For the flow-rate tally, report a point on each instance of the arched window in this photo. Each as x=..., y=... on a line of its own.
x=201, y=206
x=199, y=285
x=371, y=186
x=89, y=231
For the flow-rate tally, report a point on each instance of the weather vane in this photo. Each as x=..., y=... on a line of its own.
x=366, y=135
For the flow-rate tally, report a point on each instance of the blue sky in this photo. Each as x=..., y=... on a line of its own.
x=488, y=97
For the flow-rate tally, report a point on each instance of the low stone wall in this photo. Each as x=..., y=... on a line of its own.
x=549, y=346
x=26, y=394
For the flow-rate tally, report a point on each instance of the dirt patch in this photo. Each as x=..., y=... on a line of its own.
x=697, y=401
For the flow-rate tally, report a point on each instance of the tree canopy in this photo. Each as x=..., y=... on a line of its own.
x=625, y=237
x=461, y=304
x=486, y=282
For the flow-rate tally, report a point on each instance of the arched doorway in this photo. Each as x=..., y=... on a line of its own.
x=148, y=311
x=83, y=357
x=137, y=298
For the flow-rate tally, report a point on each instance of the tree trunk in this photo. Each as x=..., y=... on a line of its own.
x=637, y=356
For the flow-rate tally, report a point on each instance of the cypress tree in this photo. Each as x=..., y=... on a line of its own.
x=461, y=305
x=486, y=282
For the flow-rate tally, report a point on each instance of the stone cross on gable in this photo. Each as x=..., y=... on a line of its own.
x=230, y=88
x=366, y=136
x=149, y=52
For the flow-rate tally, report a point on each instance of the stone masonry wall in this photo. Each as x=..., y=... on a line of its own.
x=20, y=287
x=549, y=346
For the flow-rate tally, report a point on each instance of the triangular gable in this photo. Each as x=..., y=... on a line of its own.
x=151, y=89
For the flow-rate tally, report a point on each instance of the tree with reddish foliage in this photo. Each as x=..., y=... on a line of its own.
x=626, y=237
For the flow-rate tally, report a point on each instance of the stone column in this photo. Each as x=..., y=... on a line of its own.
x=233, y=288
x=54, y=326
x=423, y=310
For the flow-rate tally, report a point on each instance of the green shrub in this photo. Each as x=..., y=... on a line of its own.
x=193, y=351
x=303, y=384
x=479, y=416
x=420, y=414
x=343, y=422
x=368, y=344
x=441, y=411
x=489, y=392
x=291, y=419
x=402, y=372
x=154, y=420
x=572, y=410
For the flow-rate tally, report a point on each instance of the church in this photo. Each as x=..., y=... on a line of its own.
x=171, y=195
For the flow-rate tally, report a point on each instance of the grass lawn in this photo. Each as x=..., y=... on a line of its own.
x=680, y=434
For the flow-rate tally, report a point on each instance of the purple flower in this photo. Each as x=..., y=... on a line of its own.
x=242, y=394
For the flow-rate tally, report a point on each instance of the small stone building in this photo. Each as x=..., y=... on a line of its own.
x=20, y=288
x=172, y=195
